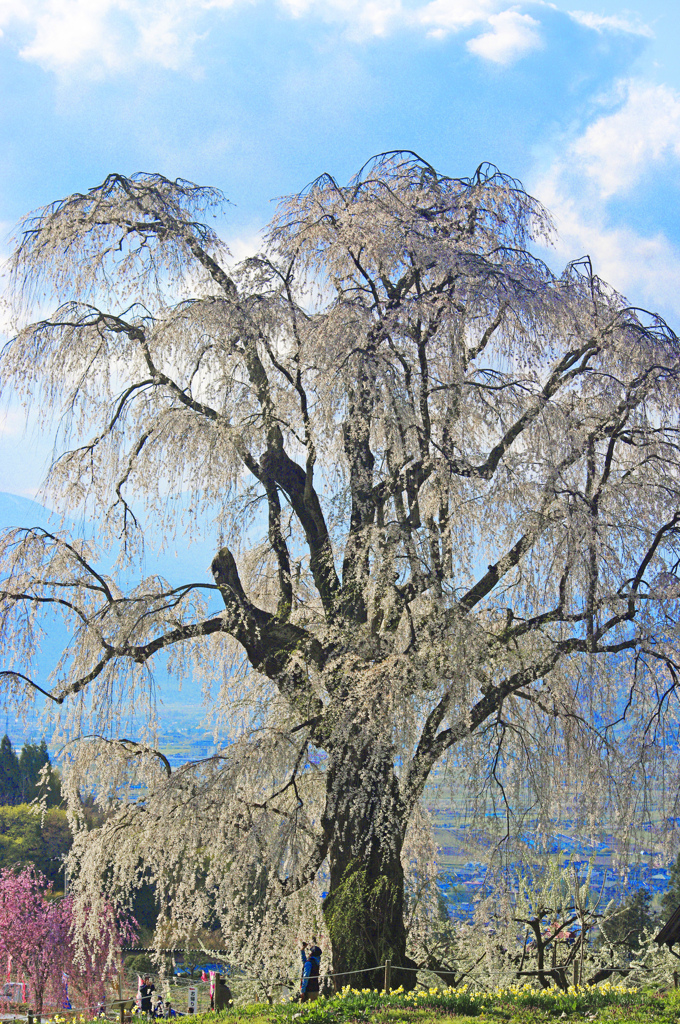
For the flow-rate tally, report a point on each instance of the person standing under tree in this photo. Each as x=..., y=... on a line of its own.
x=145, y=990
x=311, y=965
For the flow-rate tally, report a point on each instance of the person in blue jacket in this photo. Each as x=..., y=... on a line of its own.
x=311, y=965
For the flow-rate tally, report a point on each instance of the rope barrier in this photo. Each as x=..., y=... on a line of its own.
x=152, y=949
x=249, y=977
x=50, y=1013
x=364, y=970
x=219, y=953
x=192, y=982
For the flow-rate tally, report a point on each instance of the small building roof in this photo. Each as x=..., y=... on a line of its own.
x=670, y=933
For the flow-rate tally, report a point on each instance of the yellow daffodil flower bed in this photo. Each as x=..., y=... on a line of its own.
x=517, y=1004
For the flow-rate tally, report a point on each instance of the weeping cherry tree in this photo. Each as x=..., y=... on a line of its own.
x=443, y=488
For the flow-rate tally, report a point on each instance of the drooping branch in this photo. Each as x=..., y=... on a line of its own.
x=132, y=748
x=10, y=674
x=433, y=745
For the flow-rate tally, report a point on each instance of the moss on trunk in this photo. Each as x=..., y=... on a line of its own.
x=364, y=915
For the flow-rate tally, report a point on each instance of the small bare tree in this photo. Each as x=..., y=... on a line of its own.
x=445, y=487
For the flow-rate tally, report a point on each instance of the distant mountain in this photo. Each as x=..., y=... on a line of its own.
x=189, y=565
x=18, y=511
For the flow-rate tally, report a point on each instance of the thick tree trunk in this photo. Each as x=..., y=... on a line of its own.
x=364, y=915
x=364, y=910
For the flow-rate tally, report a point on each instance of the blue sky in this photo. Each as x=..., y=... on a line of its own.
x=580, y=99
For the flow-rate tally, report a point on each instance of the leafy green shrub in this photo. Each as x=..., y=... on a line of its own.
x=26, y=838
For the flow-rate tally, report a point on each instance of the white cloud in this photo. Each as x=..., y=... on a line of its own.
x=166, y=39
x=440, y=17
x=242, y=247
x=369, y=18
x=644, y=268
x=361, y=18
x=12, y=422
x=609, y=159
x=66, y=33
x=618, y=148
x=612, y=23
x=108, y=36
x=377, y=19
x=13, y=9
x=512, y=36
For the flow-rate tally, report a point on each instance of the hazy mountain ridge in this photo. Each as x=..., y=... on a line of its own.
x=18, y=511
x=182, y=709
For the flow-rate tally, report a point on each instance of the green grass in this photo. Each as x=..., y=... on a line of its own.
x=606, y=1004
x=519, y=1005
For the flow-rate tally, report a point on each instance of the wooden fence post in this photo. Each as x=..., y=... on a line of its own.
x=388, y=971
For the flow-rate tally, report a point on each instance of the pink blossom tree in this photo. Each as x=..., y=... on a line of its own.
x=96, y=962
x=36, y=931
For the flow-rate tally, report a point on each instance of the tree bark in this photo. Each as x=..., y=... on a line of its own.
x=364, y=910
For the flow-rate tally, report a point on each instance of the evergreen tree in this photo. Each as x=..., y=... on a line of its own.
x=625, y=926
x=10, y=788
x=27, y=838
x=32, y=760
x=670, y=901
